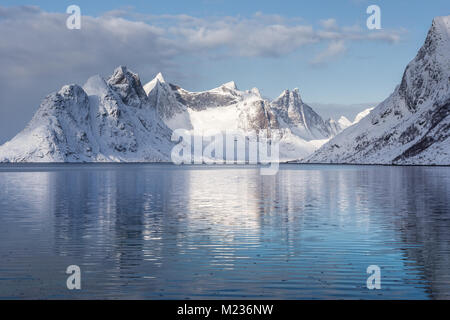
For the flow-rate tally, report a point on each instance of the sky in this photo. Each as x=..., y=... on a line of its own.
x=324, y=48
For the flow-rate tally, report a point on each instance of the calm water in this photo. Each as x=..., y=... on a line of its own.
x=168, y=232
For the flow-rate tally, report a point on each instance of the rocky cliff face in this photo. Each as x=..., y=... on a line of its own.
x=412, y=126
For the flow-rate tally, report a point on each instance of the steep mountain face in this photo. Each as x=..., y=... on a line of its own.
x=173, y=112
x=299, y=117
x=106, y=120
x=255, y=114
x=412, y=126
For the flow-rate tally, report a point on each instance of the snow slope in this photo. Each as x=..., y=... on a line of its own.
x=412, y=126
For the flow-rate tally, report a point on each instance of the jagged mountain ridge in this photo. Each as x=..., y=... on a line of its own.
x=412, y=126
x=118, y=119
x=225, y=108
x=287, y=111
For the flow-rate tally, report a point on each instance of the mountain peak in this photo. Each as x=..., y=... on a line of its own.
x=344, y=122
x=71, y=90
x=152, y=84
x=441, y=25
x=426, y=76
x=288, y=94
x=128, y=85
x=119, y=73
x=230, y=85
x=438, y=37
x=122, y=75
x=159, y=77
x=296, y=94
x=284, y=93
x=256, y=92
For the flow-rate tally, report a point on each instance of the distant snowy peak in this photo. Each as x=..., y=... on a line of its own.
x=362, y=115
x=230, y=85
x=157, y=80
x=159, y=77
x=255, y=92
x=295, y=114
x=344, y=122
x=412, y=126
x=335, y=127
x=163, y=98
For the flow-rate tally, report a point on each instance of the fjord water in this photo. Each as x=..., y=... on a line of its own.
x=176, y=232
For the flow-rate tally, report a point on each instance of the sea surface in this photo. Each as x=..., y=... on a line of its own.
x=157, y=231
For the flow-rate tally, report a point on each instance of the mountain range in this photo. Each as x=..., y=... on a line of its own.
x=117, y=119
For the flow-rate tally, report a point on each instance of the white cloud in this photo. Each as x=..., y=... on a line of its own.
x=259, y=35
x=334, y=49
x=329, y=23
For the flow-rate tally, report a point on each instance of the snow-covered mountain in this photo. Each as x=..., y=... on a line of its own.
x=343, y=123
x=297, y=116
x=299, y=129
x=173, y=112
x=412, y=126
x=336, y=110
x=105, y=120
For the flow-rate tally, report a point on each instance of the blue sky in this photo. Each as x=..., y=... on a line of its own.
x=239, y=44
